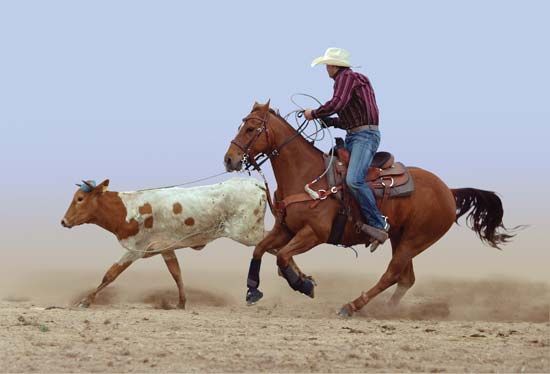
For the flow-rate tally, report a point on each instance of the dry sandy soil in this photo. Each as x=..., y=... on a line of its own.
x=442, y=325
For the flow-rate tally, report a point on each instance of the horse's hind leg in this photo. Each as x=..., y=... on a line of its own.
x=404, y=283
x=388, y=279
x=407, y=248
x=406, y=278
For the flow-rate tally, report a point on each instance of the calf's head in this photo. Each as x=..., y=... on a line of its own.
x=85, y=204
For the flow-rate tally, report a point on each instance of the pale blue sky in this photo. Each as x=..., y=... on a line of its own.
x=150, y=93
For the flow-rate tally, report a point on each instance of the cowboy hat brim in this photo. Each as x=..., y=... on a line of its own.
x=329, y=61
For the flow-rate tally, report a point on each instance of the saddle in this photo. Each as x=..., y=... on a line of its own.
x=385, y=177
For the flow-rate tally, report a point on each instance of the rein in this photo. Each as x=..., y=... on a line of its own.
x=255, y=162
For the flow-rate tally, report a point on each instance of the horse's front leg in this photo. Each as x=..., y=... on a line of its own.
x=303, y=241
x=275, y=239
x=294, y=265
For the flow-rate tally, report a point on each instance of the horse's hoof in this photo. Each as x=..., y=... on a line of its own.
x=181, y=305
x=345, y=312
x=312, y=292
x=312, y=280
x=253, y=295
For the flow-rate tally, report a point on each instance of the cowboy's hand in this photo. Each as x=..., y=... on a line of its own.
x=307, y=114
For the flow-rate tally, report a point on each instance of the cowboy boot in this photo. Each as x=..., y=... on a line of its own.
x=379, y=236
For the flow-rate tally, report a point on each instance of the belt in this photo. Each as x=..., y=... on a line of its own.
x=361, y=128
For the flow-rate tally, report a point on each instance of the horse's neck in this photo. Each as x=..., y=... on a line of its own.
x=297, y=164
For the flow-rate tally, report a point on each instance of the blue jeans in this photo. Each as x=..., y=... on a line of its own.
x=363, y=145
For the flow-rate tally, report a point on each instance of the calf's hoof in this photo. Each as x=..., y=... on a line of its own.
x=84, y=304
x=253, y=295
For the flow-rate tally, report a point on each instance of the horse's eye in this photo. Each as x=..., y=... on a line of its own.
x=249, y=129
x=79, y=199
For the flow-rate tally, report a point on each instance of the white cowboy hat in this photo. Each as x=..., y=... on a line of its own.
x=333, y=56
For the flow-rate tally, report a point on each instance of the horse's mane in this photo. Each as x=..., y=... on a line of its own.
x=278, y=115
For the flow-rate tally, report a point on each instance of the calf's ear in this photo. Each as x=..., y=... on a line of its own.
x=103, y=186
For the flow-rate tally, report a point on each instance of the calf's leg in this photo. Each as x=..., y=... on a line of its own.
x=114, y=271
x=174, y=267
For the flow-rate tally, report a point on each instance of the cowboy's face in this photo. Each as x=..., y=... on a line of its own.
x=332, y=70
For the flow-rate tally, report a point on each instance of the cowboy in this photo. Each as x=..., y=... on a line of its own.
x=354, y=102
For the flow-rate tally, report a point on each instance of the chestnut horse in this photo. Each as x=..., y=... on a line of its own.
x=417, y=221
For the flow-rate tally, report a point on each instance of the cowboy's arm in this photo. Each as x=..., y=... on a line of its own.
x=332, y=121
x=343, y=87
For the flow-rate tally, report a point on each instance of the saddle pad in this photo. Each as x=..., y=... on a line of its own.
x=336, y=176
x=397, y=191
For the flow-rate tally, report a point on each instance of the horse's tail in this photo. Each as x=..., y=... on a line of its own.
x=485, y=217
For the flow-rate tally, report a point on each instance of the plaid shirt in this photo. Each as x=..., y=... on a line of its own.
x=353, y=101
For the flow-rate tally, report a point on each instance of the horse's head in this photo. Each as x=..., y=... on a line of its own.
x=253, y=138
x=84, y=204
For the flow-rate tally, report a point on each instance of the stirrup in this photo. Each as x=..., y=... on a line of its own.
x=377, y=234
x=375, y=243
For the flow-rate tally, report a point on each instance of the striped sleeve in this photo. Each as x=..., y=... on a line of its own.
x=332, y=121
x=343, y=88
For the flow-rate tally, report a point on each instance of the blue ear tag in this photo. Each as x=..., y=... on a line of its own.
x=88, y=186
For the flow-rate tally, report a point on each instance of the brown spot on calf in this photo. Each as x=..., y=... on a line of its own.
x=145, y=209
x=111, y=215
x=256, y=211
x=176, y=208
x=190, y=221
x=148, y=223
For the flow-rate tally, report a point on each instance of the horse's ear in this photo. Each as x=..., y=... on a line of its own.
x=256, y=105
x=267, y=104
x=261, y=107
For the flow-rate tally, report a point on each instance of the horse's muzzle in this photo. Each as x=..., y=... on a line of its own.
x=233, y=163
x=65, y=223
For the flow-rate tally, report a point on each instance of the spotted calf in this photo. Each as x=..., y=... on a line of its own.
x=163, y=220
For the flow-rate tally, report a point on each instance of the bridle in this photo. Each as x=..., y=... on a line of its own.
x=248, y=158
x=255, y=161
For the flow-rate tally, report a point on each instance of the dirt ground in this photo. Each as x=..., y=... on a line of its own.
x=441, y=326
